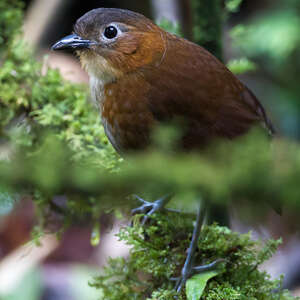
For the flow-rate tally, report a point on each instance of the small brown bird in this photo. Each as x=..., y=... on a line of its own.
x=141, y=75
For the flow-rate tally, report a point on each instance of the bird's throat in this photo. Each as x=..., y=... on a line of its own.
x=96, y=65
x=101, y=72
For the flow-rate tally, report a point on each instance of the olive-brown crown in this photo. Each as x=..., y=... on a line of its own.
x=90, y=23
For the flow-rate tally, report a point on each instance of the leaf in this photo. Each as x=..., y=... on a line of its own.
x=196, y=285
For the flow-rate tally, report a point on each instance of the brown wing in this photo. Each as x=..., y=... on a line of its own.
x=185, y=82
x=191, y=83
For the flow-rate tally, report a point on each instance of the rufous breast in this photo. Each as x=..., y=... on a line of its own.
x=125, y=114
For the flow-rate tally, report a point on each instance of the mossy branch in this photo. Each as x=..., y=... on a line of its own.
x=158, y=253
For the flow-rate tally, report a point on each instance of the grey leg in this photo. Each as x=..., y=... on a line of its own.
x=188, y=270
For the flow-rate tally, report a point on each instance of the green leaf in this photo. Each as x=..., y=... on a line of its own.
x=196, y=285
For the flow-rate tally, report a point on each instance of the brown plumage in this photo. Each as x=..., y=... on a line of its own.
x=141, y=76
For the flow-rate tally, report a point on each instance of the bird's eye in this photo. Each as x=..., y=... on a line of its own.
x=110, y=32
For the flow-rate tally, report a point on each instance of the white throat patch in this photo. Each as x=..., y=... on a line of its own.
x=101, y=73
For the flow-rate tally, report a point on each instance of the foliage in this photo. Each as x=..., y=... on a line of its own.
x=208, y=19
x=252, y=171
x=32, y=100
x=241, y=66
x=195, y=285
x=207, y=29
x=13, y=17
x=158, y=253
x=170, y=27
x=271, y=39
x=233, y=5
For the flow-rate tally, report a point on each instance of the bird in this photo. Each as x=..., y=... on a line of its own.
x=142, y=76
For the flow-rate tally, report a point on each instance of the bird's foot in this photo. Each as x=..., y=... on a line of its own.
x=189, y=271
x=149, y=208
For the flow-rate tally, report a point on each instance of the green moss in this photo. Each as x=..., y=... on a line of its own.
x=36, y=100
x=158, y=253
x=11, y=17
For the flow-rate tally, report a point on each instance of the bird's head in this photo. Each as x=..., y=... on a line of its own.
x=111, y=42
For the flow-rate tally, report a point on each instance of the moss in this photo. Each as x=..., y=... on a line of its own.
x=35, y=100
x=10, y=22
x=158, y=252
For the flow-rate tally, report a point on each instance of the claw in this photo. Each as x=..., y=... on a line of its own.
x=208, y=267
x=140, y=199
x=143, y=209
x=186, y=274
x=149, y=208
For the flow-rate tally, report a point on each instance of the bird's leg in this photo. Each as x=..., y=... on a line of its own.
x=188, y=269
x=149, y=208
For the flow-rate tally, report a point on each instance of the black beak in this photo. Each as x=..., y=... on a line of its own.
x=72, y=41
